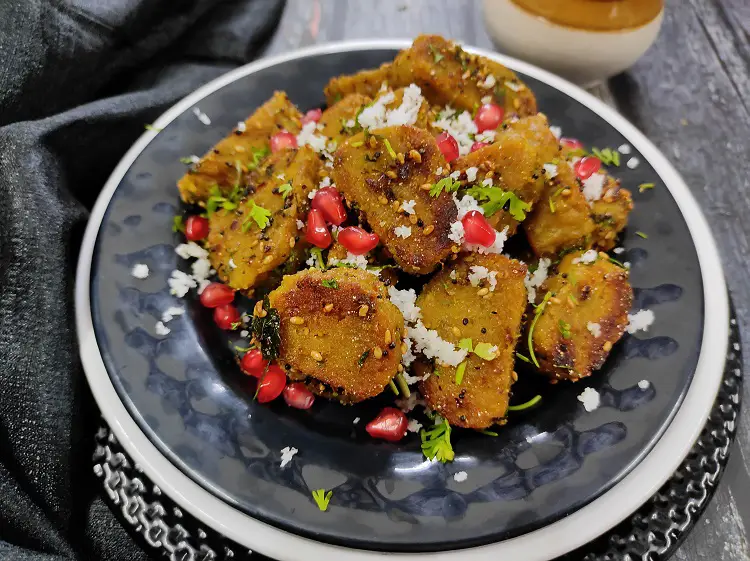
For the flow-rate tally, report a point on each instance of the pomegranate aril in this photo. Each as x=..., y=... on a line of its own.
x=488, y=117
x=357, y=240
x=298, y=396
x=328, y=201
x=282, y=140
x=448, y=146
x=571, y=143
x=390, y=425
x=271, y=384
x=312, y=116
x=316, y=231
x=587, y=166
x=477, y=145
x=253, y=363
x=216, y=294
x=227, y=317
x=196, y=228
x=477, y=230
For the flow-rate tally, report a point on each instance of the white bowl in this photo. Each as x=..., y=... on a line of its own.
x=582, y=56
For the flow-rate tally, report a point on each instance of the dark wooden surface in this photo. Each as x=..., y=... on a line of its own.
x=690, y=95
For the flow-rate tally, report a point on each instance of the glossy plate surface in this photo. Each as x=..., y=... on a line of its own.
x=188, y=397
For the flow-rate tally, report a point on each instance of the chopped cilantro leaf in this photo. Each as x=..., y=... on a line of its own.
x=178, y=224
x=533, y=401
x=329, y=283
x=285, y=190
x=530, y=340
x=485, y=351
x=322, y=498
x=388, y=147
x=564, y=327
x=317, y=255
x=494, y=199
x=460, y=371
x=446, y=184
x=616, y=158
x=259, y=215
x=436, y=442
x=259, y=154
x=436, y=55
x=266, y=331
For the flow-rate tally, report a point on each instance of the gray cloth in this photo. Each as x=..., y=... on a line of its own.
x=78, y=81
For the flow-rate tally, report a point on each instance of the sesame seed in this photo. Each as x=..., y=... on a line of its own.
x=382, y=200
x=426, y=186
x=296, y=320
x=292, y=241
x=429, y=230
x=363, y=309
x=483, y=291
x=415, y=155
x=267, y=259
x=514, y=375
x=456, y=331
x=377, y=352
x=400, y=368
x=554, y=300
x=392, y=174
x=400, y=157
x=388, y=338
x=328, y=307
x=316, y=355
x=404, y=348
x=413, y=218
x=566, y=192
x=607, y=346
x=373, y=142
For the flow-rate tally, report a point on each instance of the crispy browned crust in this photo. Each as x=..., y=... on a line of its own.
x=482, y=397
x=610, y=213
x=226, y=162
x=514, y=162
x=600, y=294
x=254, y=253
x=379, y=187
x=448, y=75
x=366, y=82
x=562, y=218
x=341, y=335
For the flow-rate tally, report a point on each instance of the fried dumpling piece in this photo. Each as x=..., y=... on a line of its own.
x=485, y=302
x=448, y=75
x=381, y=172
x=241, y=151
x=584, y=311
x=515, y=163
x=339, y=332
x=366, y=82
x=336, y=119
x=561, y=219
x=610, y=213
x=247, y=243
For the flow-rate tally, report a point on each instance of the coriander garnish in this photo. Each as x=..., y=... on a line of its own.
x=178, y=224
x=485, y=351
x=446, y=184
x=259, y=215
x=285, y=189
x=330, y=283
x=564, y=328
x=533, y=401
x=530, y=339
x=266, y=331
x=494, y=199
x=388, y=147
x=436, y=442
x=460, y=373
x=322, y=498
x=436, y=55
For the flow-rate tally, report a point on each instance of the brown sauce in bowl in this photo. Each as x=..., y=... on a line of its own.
x=595, y=15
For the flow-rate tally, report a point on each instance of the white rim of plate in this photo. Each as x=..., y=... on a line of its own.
x=543, y=544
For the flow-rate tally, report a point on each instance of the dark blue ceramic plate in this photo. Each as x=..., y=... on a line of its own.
x=188, y=397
